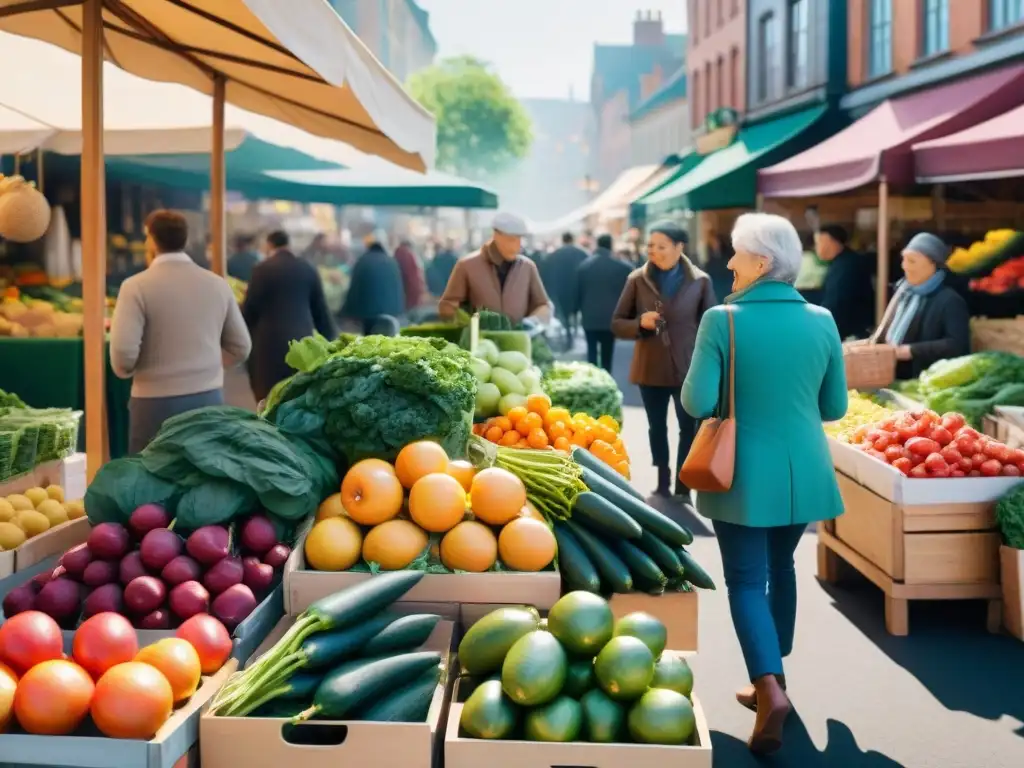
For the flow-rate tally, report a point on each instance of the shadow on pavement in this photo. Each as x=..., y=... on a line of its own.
x=682, y=513
x=948, y=650
x=798, y=751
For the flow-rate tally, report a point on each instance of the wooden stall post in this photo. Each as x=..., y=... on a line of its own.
x=94, y=238
x=218, y=182
x=39, y=170
x=882, y=286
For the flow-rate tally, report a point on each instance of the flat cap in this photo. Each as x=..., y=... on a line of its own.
x=510, y=224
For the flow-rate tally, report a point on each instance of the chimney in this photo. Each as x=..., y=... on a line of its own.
x=648, y=30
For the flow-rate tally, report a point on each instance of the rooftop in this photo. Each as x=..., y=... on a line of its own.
x=620, y=67
x=672, y=90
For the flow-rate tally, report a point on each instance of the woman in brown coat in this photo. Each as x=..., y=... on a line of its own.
x=661, y=307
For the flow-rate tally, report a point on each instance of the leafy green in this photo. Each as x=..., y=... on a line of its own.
x=377, y=395
x=307, y=354
x=583, y=387
x=972, y=385
x=122, y=485
x=213, y=502
x=10, y=400
x=1010, y=517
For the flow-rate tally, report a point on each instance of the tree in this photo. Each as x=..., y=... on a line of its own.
x=482, y=128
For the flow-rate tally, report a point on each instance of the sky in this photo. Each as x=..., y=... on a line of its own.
x=541, y=48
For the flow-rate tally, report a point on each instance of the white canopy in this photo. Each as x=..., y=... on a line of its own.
x=612, y=203
x=293, y=60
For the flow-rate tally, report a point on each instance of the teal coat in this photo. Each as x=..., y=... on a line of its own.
x=789, y=379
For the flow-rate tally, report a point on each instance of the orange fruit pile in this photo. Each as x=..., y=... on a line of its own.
x=541, y=426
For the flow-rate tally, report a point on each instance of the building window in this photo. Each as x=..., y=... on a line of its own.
x=707, y=17
x=1005, y=13
x=696, y=106
x=936, y=27
x=709, y=93
x=768, y=56
x=880, y=38
x=734, y=78
x=695, y=7
x=720, y=82
x=797, y=44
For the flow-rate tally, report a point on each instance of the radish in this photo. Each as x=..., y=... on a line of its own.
x=277, y=556
x=181, y=569
x=99, y=572
x=75, y=560
x=257, y=576
x=131, y=568
x=144, y=594
x=109, y=541
x=208, y=544
x=227, y=573
x=158, y=548
x=108, y=597
x=233, y=605
x=148, y=517
x=60, y=600
x=258, y=535
x=188, y=599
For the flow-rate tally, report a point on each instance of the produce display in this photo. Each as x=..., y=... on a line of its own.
x=581, y=676
x=33, y=436
x=494, y=327
x=1008, y=276
x=455, y=518
x=862, y=410
x=921, y=444
x=346, y=657
x=1010, y=517
x=505, y=379
x=126, y=692
x=983, y=256
x=583, y=388
x=34, y=512
x=972, y=385
x=238, y=287
x=155, y=577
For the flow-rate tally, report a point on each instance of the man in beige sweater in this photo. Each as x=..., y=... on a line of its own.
x=175, y=327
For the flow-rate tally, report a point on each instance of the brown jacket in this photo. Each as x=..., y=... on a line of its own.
x=474, y=281
x=662, y=359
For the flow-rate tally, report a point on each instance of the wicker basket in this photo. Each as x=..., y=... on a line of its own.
x=869, y=366
x=998, y=335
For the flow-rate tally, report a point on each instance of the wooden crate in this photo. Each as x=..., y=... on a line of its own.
x=933, y=552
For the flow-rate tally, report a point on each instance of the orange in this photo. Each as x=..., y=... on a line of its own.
x=601, y=449
x=462, y=471
x=604, y=433
x=178, y=661
x=530, y=422
x=510, y=438
x=537, y=438
x=370, y=493
x=515, y=414
x=539, y=404
x=526, y=544
x=132, y=701
x=503, y=422
x=622, y=467
x=379, y=464
x=437, y=503
x=609, y=422
x=418, y=460
x=562, y=444
x=557, y=414
x=333, y=544
x=523, y=443
x=395, y=544
x=469, y=546
x=531, y=511
x=494, y=433
x=331, y=507
x=497, y=496
x=53, y=698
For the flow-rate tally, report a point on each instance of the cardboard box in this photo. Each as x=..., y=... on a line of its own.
x=93, y=750
x=677, y=611
x=228, y=742
x=542, y=590
x=68, y=473
x=1004, y=430
x=1012, y=574
x=461, y=752
x=55, y=541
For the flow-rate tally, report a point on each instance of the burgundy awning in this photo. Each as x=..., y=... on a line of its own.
x=880, y=142
x=993, y=149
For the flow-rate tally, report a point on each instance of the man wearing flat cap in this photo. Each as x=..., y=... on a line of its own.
x=498, y=277
x=847, y=291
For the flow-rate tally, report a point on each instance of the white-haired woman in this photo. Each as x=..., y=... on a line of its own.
x=789, y=378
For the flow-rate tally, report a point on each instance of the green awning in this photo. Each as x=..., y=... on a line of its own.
x=728, y=178
x=683, y=165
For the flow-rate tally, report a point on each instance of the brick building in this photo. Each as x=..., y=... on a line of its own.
x=660, y=126
x=716, y=57
x=397, y=32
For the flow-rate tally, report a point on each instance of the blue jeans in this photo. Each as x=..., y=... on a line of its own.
x=761, y=581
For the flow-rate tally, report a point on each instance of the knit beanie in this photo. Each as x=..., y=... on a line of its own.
x=931, y=246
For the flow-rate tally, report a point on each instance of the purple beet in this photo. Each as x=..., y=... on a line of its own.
x=181, y=569
x=99, y=572
x=109, y=597
x=158, y=548
x=131, y=568
x=209, y=544
x=158, y=619
x=60, y=599
x=148, y=517
x=277, y=556
x=257, y=576
x=41, y=580
x=21, y=598
x=233, y=604
x=144, y=594
x=258, y=535
x=188, y=599
x=109, y=541
x=75, y=560
x=227, y=573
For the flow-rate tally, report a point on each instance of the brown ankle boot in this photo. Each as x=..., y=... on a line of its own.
x=772, y=710
x=748, y=696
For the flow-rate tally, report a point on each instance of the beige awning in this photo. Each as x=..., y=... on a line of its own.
x=614, y=202
x=292, y=60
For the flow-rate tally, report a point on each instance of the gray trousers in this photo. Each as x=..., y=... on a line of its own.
x=147, y=414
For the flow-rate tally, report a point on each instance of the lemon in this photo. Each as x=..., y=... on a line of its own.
x=55, y=492
x=11, y=536
x=54, y=512
x=75, y=509
x=36, y=495
x=20, y=502
x=31, y=522
x=6, y=511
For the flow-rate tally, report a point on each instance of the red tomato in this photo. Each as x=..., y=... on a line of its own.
x=906, y=431
x=1011, y=470
x=974, y=473
x=978, y=459
x=967, y=445
x=957, y=473
x=991, y=468
x=919, y=471
x=970, y=432
x=210, y=639
x=922, y=446
x=942, y=471
x=28, y=639
x=885, y=440
x=952, y=421
x=903, y=464
x=941, y=435
x=102, y=641
x=1017, y=455
x=874, y=435
x=966, y=465
x=934, y=462
x=997, y=451
x=860, y=434
x=888, y=425
x=53, y=698
x=875, y=454
x=893, y=452
x=951, y=454
x=1020, y=466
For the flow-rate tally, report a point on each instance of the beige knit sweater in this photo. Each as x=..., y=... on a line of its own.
x=175, y=327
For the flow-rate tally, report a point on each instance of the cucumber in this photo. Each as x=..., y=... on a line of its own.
x=405, y=633
x=576, y=568
x=661, y=553
x=586, y=459
x=409, y=704
x=326, y=649
x=694, y=573
x=297, y=691
x=614, y=573
x=645, y=571
x=601, y=516
x=354, y=684
x=356, y=604
x=649, y=518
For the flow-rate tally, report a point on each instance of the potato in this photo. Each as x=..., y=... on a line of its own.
x=36, y=495
x=75, y=509
x=11, y=536
x=7, y=511
x=54, y=512
x=20, y=502
x=31, y=522
x=55, y=492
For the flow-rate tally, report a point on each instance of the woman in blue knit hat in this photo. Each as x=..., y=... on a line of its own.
x=927, y=320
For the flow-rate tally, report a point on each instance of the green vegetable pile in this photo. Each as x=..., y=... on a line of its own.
x=378, y=394
x=32, y=436
x=972, y=385
x=581, y=387
x=1010, y=517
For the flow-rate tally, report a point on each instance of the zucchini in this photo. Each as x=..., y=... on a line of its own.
x=356, y=604
x=645, y=571
x=694, y=573
x=409, y=704
x=327, y=649
x=295, y=693
x=405, y=633
x=282, y=708
x=586, y=459
x=614, y=573
x=648, y=517
x=661, y=553
x=574, y=565
x=601, y=516
x=354, y=684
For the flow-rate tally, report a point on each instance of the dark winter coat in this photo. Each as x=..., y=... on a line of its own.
x=375, y=287
x=941, y=329
x=559, y=271
x=439, y=271
x=849, y=295
x=601, y=280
